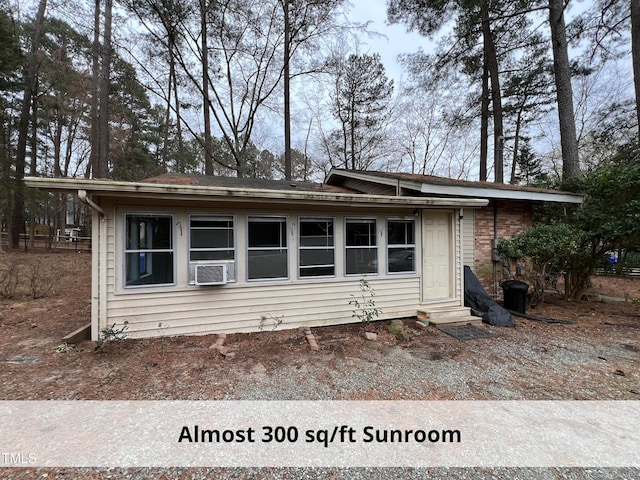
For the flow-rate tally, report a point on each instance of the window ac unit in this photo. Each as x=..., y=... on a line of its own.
x=210, y=274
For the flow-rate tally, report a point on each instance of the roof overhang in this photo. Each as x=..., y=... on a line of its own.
x=468, y=189
x=123, y=190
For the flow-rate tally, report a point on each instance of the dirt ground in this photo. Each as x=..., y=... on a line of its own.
x=605, y=341
x=596, y=357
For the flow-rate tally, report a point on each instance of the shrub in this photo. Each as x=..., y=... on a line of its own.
x=546, y=248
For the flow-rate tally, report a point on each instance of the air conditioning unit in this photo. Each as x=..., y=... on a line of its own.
x=210, y=273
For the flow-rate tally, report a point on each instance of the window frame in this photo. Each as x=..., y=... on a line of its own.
x=283, y=219
x=406, y=246
x=332, y=247
x=233, y=247
x=375, y=246
x=126, y=251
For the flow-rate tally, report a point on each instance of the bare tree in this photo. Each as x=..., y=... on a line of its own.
x=30, y=88
x=101, y=170
x=635, y=54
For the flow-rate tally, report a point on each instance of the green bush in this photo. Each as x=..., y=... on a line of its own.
x=546, y=249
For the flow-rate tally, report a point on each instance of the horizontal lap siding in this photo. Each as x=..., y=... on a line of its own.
x=231, y=308
x=468, y=238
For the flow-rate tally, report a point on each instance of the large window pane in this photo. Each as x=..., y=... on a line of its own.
x=316, y=247
x=361, y=246
x=361, y=260
x=267, y=248
x=267, y=232
x=212, y=237
x=268, y=264
x=148, y=250
x=316, y=233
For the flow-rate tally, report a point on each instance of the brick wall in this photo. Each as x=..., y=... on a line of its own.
x=514, y=216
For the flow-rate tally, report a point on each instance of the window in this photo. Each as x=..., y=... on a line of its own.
x=401, y=246
x=361, y=246
x=267, y=248
x=212, y=239
x=316, y=247
x=148, y=250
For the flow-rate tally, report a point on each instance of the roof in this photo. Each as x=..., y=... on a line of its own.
x=443, y=187
x=244, y=183
x=226, y=189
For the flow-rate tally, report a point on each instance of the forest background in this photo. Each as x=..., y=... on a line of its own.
x=529, y=92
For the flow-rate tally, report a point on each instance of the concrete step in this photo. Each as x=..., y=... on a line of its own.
x=444, y=311
x=463, y=320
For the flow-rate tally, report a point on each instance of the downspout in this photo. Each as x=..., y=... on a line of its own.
x=494, y=254
x=84, y=198
x=99, y=270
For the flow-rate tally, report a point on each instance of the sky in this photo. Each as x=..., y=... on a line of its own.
x=396, y=39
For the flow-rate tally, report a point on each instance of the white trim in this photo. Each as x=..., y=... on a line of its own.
x=498, y=193
x=306, y=218
x=234, y=247
x=264, y=219
x=122, y=249
x=239, y=195
x=368, y=220
x=463, y=191
x=388, y=245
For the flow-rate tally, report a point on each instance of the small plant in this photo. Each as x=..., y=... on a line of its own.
x=62, y=348
x=112, y=334
x=39, y=285
x=270, y=319
x=162, y=329
x=9, y=277
x=365, y=309
x=398, y=330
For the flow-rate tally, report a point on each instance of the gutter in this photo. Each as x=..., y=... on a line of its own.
x=197, y=192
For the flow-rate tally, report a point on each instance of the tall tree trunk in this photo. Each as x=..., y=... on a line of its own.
x=34, y=163
x=5, y=178
x=30, y=81
x=484, y=124
x=635, y=54
x=95, y=88
x=287, y=80
x=516, y=146
x=564, y=91
x=491, y=61
x=172, y=68
x=167, y=123
x=208, y=144
x=102, y=170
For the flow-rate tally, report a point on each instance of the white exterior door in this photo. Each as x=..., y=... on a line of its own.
x=436, y=255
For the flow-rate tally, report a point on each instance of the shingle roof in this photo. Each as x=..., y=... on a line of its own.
x=447, y=187
x=249, y=183
x=430, y=179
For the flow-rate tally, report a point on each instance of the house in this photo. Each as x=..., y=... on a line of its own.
x=186, y=254
x=509, y=210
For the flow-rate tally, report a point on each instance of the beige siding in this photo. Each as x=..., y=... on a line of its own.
x=182, y=309
x=239, y=308
x=468, y=237
x=457, y=248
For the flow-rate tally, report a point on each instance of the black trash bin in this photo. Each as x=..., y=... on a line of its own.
x=515, y=295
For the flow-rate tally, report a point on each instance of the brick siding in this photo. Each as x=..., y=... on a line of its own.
x=514, y=216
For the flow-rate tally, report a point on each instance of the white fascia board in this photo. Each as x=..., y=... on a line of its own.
x=479, y=192
x=463, y=190
x=197, y=192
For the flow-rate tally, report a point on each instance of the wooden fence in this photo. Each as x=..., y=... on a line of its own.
x=47, y=242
